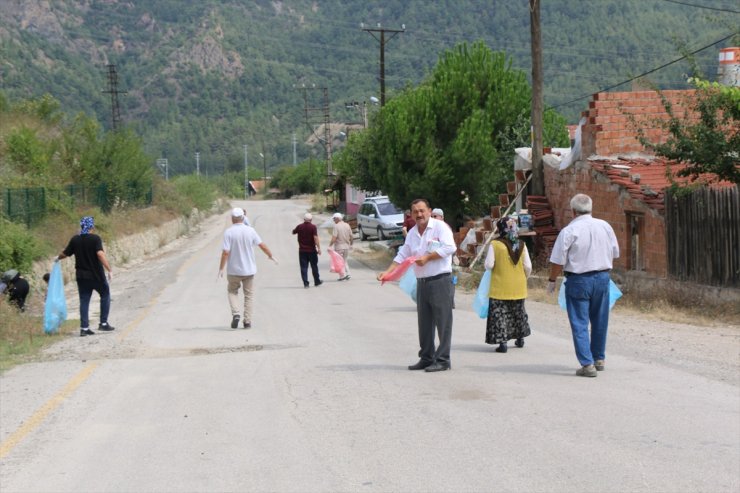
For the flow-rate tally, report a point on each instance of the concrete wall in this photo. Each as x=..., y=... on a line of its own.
x=130, y=248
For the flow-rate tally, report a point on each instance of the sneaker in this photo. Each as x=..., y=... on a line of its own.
x=502, y=348
x=346, y=278
x=319, y=283
x=106, y=327
x=586, y=371
x=599, y=364
x=235, y=322
x=306, y=285
x=247, y=325
x=519, y=342
x=86, y=332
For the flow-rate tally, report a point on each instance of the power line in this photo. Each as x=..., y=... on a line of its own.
x=645, y=73
x=703, y=6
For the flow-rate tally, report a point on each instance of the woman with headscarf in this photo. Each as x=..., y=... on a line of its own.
x=510, y=265
x=90, y=260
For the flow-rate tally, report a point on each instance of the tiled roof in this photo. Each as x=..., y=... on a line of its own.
x=646, y=177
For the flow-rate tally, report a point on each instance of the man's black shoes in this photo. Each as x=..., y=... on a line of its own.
x=438, y=366
x=420, y=365
x=86, y=332
x=235, y=322
x=106, y=327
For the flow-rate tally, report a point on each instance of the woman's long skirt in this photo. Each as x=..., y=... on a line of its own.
x=507, y=319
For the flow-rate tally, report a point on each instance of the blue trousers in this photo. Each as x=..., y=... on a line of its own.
x=587, y=300
x=86, y=288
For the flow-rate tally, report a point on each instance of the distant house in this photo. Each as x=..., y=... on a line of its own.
x=626, y=181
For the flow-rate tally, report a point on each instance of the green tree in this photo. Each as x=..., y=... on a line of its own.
x=307, y=177
x=27, y=152
x=452, y=138
x=709, y=144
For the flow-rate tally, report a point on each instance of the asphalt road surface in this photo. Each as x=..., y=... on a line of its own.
x=316, y=396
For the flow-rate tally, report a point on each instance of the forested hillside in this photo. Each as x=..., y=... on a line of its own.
x=213, y=75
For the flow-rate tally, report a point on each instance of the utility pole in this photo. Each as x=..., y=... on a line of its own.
x=197, y=163
x=382, y=42
x=295, y=156
x=538, y=175
x=246, y=173
x=316, y=115
x=115, y=109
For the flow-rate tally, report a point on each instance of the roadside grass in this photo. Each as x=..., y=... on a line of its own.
x=22, y=336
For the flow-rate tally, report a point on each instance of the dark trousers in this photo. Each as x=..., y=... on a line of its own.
x=86, y=288
x=305, y=258
x=434, y=310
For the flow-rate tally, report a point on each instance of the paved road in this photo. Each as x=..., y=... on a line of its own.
x=316, y=396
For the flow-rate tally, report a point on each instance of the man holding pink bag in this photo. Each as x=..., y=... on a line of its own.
x=432, y=244
x=341, y=241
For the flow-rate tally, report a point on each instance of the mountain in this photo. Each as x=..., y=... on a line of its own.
x=210, y=76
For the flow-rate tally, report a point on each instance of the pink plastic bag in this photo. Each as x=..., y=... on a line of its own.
x=399, y=271
x=337, y=263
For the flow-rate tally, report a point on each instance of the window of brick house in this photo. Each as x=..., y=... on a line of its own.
x=636, y=224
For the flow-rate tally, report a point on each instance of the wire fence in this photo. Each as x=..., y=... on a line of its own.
x=30, y=205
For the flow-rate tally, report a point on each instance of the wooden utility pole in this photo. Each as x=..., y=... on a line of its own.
x=382, y=42
x=538, y=175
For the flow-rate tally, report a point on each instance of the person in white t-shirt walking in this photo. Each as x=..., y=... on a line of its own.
x=238, y=259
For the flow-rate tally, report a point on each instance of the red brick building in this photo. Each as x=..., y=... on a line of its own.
x=625, y=181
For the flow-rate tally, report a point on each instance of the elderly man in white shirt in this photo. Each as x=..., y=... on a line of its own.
x=584, y=250
x=433, y=245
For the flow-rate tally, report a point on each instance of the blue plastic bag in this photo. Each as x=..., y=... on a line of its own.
x=55, y=309
x=480, y=302
x=408, y=284
x=614, y=294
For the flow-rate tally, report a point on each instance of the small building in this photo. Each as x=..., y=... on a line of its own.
x=627, y=182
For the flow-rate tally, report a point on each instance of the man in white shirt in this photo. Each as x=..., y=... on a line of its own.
x=584, y=250
x=433, y=245
x=238, y=257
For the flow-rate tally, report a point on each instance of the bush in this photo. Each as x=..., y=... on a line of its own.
x=18, y=247
x=184, y=192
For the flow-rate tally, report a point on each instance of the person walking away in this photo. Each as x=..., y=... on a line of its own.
x=430, y=241
x=341, y=240
x=17, y=288
x=585, y=250
x=508, y=260
x=246, y=219
x=237, y=257
x=309, y=249
x=91, y=265
x=408, y=222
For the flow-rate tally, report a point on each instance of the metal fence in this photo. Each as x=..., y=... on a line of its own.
x=29, y=205
x=703, y=236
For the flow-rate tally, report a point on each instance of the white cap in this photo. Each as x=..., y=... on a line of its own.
x=438, y=212
x=337, y=215
x=307, y=216
x=237, y=212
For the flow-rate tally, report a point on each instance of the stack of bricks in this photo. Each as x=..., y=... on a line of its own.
x=543, y=225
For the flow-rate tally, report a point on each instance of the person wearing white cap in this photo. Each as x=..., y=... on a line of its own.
x=309, y=249
x=341, y=240
x=237, y=256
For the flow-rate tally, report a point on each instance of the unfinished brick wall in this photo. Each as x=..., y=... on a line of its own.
x=612, y=119
x=612, y=204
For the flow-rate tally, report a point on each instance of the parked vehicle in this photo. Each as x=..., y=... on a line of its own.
x=378, y=216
